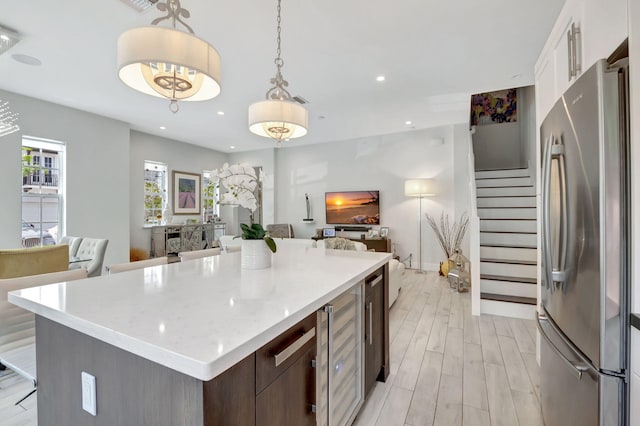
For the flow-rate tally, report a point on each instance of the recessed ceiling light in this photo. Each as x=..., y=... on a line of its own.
x=220, y=112
x=380, y=78
x=26, y=59
x=408, y=123
x=163, y=128
x=232, y=147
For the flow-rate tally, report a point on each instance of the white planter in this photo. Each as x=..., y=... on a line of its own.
x=255, y=254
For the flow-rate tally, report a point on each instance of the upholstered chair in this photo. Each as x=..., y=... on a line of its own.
x=17, y=326
x=73, y=243
x=33, y=261
x=140, y=264
x=93, y=249
x=280, y=230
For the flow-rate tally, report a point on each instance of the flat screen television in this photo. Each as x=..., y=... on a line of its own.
x=352, y=207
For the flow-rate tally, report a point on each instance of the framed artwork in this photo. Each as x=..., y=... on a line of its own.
x=329, y=232
x=186, y=193
x=373, y=234
x=384, y=231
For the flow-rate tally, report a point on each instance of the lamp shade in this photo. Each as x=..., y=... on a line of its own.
x=278, y=119
x=419, y=188
x=168, y=63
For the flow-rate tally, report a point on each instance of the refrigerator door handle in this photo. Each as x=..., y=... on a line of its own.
x=546, y=228
x=558, y=151
x=578, y=369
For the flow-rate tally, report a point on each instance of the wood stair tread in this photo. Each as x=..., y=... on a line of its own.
x=515, y=246
x=505, y=196
x=505, y=186
x=510, y=299
x=523, y=280
x=509, y=232
x=500, y=169
x=509, y=261
x=504, y=177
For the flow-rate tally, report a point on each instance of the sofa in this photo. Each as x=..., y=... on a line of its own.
x=396, y=273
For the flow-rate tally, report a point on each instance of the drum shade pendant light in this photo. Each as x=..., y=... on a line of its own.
x=169, y=63
x=279, y=117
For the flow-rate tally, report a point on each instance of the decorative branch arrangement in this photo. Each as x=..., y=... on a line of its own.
x=449, y=235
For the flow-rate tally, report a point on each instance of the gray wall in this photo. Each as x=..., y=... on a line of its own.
x=497, y=146
x=508, y=145
x=377, y=163
x=178, y=156
x=97, y=172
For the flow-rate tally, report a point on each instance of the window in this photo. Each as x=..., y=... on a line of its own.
x=210, y=195
x=42, y=191
x=155, y=192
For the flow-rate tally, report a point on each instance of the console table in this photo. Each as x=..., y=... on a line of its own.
x=173, y=239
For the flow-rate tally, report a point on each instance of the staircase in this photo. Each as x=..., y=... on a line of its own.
x=506, y=202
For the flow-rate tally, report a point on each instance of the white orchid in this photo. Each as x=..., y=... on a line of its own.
x=241, y=181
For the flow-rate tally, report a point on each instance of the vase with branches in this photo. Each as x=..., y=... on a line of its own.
x=449, y=234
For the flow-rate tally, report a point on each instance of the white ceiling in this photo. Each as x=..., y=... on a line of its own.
x=434, y=54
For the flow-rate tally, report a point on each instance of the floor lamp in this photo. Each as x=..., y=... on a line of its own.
x=419, y=188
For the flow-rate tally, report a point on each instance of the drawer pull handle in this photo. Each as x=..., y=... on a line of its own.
x=376, y=281
x=291, y=349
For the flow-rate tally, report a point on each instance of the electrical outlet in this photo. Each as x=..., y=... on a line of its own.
x=89, y=393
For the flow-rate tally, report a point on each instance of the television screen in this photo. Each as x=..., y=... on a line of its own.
x=353, y=207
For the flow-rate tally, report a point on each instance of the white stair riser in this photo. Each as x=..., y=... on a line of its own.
x=508, y=270
x=508, y=225
x=502, y=173
x=507, y=202
x=508, y=288
x=508, y=309
x=527, y=240
x=506, y=191
x=490, y=213
x=516, y=181
x=508, y=253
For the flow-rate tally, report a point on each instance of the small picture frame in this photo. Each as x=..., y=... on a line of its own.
x=384, y=232
x=373, y=234
x=329, y=232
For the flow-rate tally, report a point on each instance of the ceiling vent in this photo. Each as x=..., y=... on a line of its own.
x=300, y=100
x=140, y=5
x=8, y=39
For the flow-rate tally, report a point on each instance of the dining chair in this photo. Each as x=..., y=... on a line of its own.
x=140, y=264
x=31, y=242
x=17, y=325
x=73, y=243
x=198, y=254
x=92, y=249
x=32, y=261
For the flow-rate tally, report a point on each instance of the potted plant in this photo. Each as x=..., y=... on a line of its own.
x=240, y=181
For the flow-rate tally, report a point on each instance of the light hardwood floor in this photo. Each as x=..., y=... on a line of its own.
x=447, y=367
x=450, y=368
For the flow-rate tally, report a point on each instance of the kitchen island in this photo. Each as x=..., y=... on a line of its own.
x=169, y=344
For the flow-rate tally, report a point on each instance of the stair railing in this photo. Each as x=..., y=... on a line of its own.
x=474, y=230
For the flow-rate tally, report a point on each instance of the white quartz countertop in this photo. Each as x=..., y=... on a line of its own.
x=202, y=316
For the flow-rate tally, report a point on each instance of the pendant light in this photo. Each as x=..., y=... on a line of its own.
x=167, y=62
x=279, y=117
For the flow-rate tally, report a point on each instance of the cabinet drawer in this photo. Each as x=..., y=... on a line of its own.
x=284, y=350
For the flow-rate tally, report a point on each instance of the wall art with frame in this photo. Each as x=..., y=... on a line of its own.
x=186, y=192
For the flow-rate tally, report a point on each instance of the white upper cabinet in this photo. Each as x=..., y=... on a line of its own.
x=585, y=31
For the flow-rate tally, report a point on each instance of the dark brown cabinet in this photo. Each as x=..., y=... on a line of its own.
x=374, y=336
x=276, y=385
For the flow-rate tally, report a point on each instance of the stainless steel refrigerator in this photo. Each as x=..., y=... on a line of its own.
x=583, y=323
